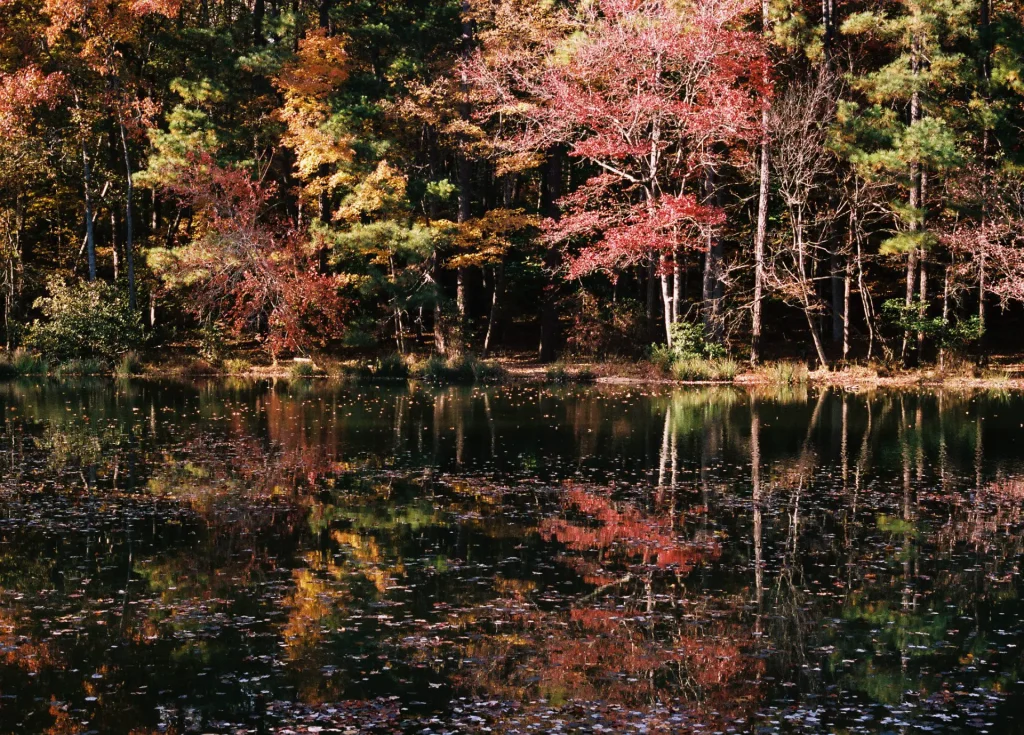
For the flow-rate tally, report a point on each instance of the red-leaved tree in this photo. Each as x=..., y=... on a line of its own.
x=256, y=273
x=654, y=93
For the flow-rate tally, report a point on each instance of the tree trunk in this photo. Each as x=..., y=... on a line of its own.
x=129, y=239
x=324, y=14
x=986, y=39
x=496, y=303
x=805, y=288
x=837, y=268
x=922, y=267
x=945, y=319
x=464, y=166
x=847, y=285
x=652, y=294
x=436, y=270
x=865, y=295
x=761, y=233
x=923, y=293
x=90, y=235
x=440, y=339
x=259, y=12
x=915, y=190
x=551, y=192
x=666, y=297
x=677, y=283
x=115, y=251
x=712, y=270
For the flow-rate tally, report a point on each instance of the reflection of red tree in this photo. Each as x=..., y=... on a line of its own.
x=623, y=647
x=22, y=651
x=622, y=530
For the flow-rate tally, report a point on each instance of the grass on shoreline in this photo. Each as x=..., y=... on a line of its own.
x=469, y=369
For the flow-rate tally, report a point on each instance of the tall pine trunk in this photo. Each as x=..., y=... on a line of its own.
x=915, y=190
x=129, y=233
x=90, y=234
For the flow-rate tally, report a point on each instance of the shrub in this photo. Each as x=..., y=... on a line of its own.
x=913, y=317
x=392, y=367
x=237, y=366
x=130, y=364
x=301, y=370
x=662, y=357
x=434, y=369
x=211, y=341
x=22, y=363
x=85, y=321
x=557, y=374
x=465, y=369
x=196, y=368
x=692, y=356
x=690, y=339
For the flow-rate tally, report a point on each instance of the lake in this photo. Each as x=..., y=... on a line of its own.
x=258, y=557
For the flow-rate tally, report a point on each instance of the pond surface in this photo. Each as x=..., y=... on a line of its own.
x=258, y=558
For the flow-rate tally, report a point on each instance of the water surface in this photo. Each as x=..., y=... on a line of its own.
x=312, y=557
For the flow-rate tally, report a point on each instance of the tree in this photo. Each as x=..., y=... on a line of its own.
x=257, y=273
x=648, y=92
x=802, y=163
x=906, y=136
x=23, y=93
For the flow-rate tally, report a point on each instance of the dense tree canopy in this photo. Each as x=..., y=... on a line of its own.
x=478, y=174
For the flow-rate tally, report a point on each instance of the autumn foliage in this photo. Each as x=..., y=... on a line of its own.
x=650, y=92
x=256, y=272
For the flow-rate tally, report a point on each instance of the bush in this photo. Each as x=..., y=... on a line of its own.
x=211, y=341
x=22, y=363
x=692, y=356
x=913, y=317
x=662, y=357
x=237, y=366
x=701, y=369
x=85, y=321
x=130, y=364
x=691, y=340
x=392, y=367
x=195, y=368
x=302, y=370
x=466, y=370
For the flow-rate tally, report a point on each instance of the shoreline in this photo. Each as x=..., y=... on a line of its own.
x=517, y=370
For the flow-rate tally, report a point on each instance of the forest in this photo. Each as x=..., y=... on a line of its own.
x=682, y=181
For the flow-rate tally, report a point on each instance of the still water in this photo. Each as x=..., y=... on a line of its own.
x=316, y=557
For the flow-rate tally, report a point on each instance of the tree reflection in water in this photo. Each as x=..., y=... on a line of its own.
x=209, y=558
